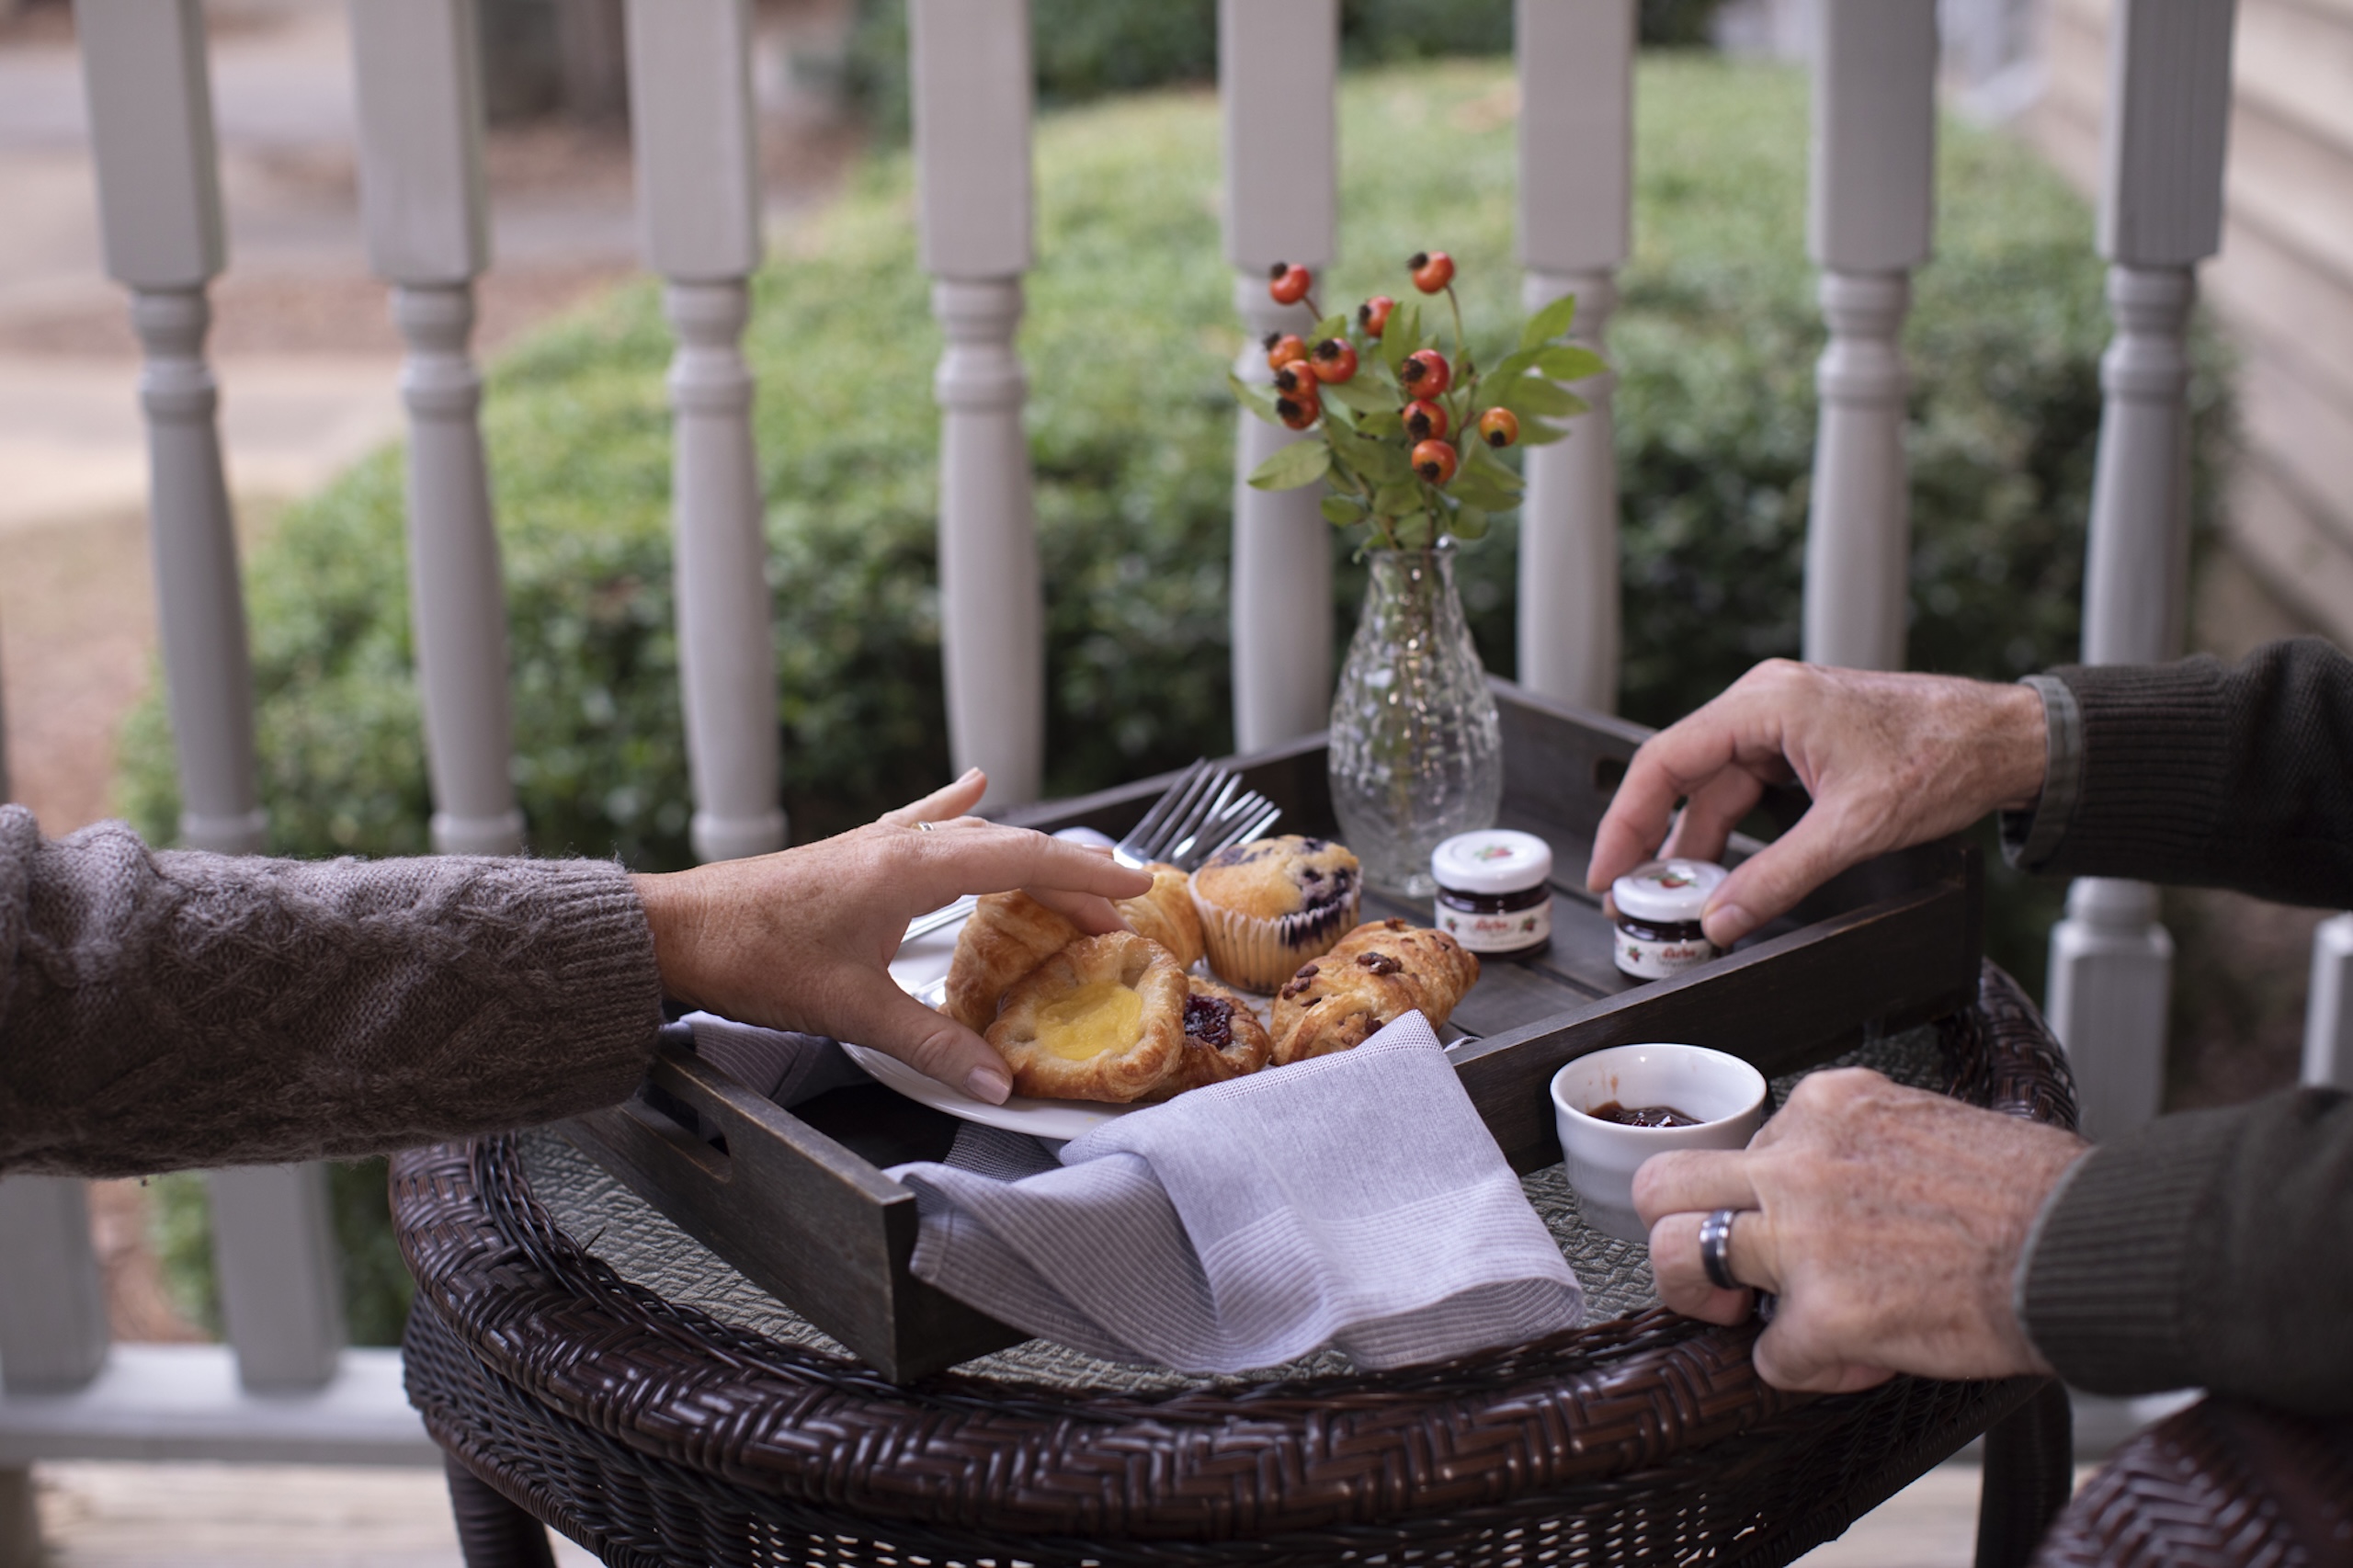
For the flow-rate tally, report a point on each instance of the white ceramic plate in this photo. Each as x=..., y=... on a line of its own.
x=1059, y=1119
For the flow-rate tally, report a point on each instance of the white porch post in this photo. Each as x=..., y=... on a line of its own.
x=2328, y=1008
x=151, y=121
x=423, y=200
x=1870, y=217
x=52, y=1324
x=159, y=209
x=52, y=1305
x=973, y=89
x=698, y=212
x=2161, y=213
x=1277, y=66
x=1576, y=134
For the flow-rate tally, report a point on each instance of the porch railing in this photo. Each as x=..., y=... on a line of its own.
x=284, y=1386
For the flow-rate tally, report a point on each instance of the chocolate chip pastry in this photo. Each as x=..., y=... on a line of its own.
x=1374, y=975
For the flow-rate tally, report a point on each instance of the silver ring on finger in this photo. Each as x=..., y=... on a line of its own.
x=1715, y=1248
x=926, y=827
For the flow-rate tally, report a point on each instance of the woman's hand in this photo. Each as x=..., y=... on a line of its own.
x=1891, y=760
x=803, y=939
x=1888, y=1221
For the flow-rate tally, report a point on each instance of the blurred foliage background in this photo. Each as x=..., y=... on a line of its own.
x=1128, y=334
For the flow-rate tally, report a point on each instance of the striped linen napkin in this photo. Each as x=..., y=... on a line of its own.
x=1353, y=1200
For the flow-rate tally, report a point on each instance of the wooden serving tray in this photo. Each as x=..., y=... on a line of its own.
x=796, y=1200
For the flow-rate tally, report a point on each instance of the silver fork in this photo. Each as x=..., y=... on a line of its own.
x=1204, y=810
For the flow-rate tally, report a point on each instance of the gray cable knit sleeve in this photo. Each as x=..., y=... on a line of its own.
x=169, y=1009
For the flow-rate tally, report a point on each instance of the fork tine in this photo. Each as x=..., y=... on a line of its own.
x=1141, y=834
x=1244, y=832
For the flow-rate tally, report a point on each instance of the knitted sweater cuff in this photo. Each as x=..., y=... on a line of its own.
x=2155, y=755
x=600, y=953
x=2105, y=1275
x=2031, y=837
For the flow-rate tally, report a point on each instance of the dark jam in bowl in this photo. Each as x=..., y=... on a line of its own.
x=1210, y=1019
x=1634, y=1116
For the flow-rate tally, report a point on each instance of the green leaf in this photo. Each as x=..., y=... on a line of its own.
x=1474, y=490
x=1360, y=393
x=1548, y=323
x=1378, y=460
x=1512, y=365
x=1479, y=457
x=1302, y=463
x=1414, y=529
x=1536, y=433
x=1388, y=423
x=1337, y=414
x=1470, y=524
x=1570, y=363
x=1402, y=336
x=1342, y=510
x=1397, y=497
x=1534, y=395
x=1259, y=400
x=1330, y=326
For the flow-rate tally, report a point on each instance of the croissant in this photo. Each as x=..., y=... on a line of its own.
x=1011, y=934
x=1376, y=974
x=1103, y=1019
x=1223, y=1038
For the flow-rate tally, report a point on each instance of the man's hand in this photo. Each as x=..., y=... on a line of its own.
x=803, y=939
x=1888, y=1221
x=1891, y=760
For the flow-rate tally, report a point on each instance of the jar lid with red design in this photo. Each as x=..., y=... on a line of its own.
x=1492, y=861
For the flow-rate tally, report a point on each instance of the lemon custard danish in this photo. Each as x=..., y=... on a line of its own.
x=1102, y=1020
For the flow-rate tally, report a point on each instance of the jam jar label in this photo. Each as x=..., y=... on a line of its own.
x=1499, y=933
x=1647, y=959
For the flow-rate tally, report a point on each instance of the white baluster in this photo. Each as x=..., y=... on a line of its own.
x=697, y=202
x=970, y=63
x=421, y=196
x=280, y=1300
x=159, y=208
x=2161, y=213
x=1277, y=70
x=53, y=1303
x=2328, y=1008
x=1576, y=96
x=1870, y=217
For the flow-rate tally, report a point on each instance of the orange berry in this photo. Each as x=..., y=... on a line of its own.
x=1499, y=426
x=1434, y=460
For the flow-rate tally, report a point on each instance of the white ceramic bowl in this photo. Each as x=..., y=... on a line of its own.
x=1727, y=1094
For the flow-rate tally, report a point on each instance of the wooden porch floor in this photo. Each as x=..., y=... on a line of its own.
x=207, y=1516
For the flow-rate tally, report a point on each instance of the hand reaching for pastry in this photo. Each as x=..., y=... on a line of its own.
x=803, y=939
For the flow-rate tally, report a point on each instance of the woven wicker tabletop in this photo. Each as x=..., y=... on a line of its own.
x=667, y=1419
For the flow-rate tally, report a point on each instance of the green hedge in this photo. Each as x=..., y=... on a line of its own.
x=1127, y=340
x=1085, y=48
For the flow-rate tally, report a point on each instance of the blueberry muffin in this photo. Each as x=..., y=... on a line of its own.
x=1269, y=908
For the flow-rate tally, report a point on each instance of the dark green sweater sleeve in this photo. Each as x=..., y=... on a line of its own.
x=167, y=1009
x=2207, y=774
x=2211, y=1249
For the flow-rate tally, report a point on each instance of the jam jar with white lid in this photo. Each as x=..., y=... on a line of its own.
x=1494, y=894
x=1659, y=905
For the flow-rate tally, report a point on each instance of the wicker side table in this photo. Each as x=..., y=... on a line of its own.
x=655, y=1435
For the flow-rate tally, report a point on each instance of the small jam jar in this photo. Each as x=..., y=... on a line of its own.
x=1494, y=893
x=1658, y=917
